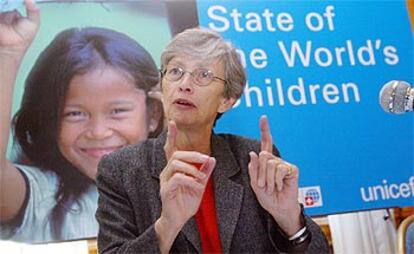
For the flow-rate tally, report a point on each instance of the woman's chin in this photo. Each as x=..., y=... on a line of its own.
x=182, y=120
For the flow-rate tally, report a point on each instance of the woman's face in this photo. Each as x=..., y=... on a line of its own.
x=189, y=104
x=103, y=112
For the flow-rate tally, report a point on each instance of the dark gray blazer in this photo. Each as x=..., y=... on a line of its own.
x=129, y=202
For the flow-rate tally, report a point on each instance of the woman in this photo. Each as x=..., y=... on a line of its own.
x=191, y=190
x=87, y=95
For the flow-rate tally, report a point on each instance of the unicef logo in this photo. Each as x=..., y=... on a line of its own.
x=312, y=196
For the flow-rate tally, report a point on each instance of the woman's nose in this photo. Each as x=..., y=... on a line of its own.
x=186, y=84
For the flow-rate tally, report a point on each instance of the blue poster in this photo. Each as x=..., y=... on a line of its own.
x=316, y=69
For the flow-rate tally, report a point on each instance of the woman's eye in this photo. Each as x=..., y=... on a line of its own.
x=205, y=74
x=174, y=71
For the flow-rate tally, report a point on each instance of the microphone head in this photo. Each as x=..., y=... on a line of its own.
x=393, y=96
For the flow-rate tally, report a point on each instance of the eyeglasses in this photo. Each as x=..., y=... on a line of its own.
x=201, y=76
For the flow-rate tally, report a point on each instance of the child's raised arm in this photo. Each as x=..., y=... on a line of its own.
x=16, y=35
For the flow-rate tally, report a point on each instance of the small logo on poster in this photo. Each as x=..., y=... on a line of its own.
x=310, y=196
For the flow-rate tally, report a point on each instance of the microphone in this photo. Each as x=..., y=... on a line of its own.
x=397, y=97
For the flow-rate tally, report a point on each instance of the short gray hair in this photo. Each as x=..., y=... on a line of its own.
x=206, y=44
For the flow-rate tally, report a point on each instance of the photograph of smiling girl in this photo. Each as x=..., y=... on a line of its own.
x=89, y=93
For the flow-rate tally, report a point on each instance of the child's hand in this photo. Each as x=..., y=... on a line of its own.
x=16, y=31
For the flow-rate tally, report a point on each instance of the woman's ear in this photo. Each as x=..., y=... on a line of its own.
x=153, y=123
x=226, y=104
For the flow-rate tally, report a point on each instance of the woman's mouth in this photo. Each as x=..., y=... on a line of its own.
x=184, y=104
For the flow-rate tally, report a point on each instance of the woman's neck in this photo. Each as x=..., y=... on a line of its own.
x=194, y=140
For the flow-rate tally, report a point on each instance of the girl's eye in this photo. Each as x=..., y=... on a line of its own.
x=74, y=115
x=121, y=113
x=120, y=110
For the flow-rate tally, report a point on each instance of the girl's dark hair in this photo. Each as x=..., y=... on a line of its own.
x=36, y=124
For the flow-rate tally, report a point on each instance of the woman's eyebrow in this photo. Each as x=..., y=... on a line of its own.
x=175, y=62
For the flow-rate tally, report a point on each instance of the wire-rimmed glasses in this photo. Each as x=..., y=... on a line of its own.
x=201, y=76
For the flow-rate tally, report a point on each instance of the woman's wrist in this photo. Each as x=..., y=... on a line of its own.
x=290, y=221
x=300, y=237
x=166, y=234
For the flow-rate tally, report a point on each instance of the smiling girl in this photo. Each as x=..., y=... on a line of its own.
x=88, y=94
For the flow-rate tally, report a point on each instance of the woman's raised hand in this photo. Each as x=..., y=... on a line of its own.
x=275, y=182
x=182, y=185
x=183, y=181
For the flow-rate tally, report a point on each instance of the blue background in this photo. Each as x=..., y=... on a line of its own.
x=343, y=146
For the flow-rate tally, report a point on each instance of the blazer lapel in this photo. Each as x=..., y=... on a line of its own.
x=228, y=194
x=158, y=159
x=190, y=231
